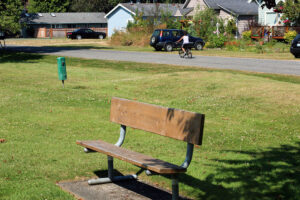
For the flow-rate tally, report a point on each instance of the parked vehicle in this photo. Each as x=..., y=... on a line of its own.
x=85, y=33
x=166, y=39
x=2, y=35
x=295, y=46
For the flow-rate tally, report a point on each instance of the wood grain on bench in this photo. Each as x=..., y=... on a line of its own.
x=132, y=157
x=174, y=123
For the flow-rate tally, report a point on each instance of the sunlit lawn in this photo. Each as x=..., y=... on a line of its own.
x=251, y=145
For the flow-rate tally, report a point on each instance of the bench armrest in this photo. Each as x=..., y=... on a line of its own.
x=189, y=155
x=122, y=136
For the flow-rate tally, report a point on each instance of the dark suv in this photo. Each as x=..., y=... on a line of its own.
x=166, y=38
x=295, y=46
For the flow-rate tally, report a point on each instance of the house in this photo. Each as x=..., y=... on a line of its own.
x=270, y=22
x=57, y=24
x=267, y=17
x=121, y=14
x=243, y=11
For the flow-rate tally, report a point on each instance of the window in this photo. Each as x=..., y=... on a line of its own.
x=177, y=33
x=156, y=33
x=272, y=18
x=166, y=34
x=88, y=31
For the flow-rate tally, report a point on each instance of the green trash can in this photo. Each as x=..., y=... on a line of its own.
x=62, y=70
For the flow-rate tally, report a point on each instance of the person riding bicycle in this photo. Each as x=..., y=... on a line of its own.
x=186, y=41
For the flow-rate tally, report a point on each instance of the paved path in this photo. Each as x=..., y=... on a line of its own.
x=291, y=67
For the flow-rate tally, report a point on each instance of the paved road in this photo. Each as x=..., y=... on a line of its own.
x=291, y=67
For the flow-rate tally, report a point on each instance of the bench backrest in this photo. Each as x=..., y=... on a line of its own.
x=174, y=123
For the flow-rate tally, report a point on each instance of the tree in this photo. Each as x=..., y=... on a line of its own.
x=268, y=3
x=291, y=12
x=272, y=3
x=35, y=6
x=205, y=23
x=10, y=14
x=107, y=5
x=89, y=5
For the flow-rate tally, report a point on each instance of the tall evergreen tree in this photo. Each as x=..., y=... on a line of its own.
x=10, y=14
x=35, y=6
x=107, y=5
x=94, y=5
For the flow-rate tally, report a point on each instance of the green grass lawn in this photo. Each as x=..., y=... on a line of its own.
x=251, y=144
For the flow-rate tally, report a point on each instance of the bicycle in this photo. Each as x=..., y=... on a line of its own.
x=187, y=53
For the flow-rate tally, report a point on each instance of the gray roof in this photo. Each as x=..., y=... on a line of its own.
x=149, y=9
x=64, y=18
x=239, y=7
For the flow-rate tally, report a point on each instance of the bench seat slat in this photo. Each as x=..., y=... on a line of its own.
x=132, y=157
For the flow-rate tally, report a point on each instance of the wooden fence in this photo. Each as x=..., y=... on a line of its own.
x=275, y=32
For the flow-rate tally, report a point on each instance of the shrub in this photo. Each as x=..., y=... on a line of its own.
x=246, y=35
x=259, y=48
x=133, y=37
x=291, y=10
x=217, y=41
x=231, y=27
x=208, y=20
x=234, y=45
x=289, y=36
x=271, y=43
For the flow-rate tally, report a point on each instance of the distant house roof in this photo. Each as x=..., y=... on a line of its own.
x=64, y=18
x=239, y=7
x=236, y=7
x=152, y=9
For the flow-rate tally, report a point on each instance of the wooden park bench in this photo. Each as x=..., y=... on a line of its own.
x=177, y=124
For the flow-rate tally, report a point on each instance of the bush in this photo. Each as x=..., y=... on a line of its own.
x=217, y=41
x=133, y=37
x=246, y=35
x=207, y=26
x=259, y=48
x=289, y=36
x=231, y=27
x=234, y=45
x=138, y=31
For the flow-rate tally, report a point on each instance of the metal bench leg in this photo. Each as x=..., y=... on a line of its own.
x=110, y=162
x=175, y=188
x=111, y=177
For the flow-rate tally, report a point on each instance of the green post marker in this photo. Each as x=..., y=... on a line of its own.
x=62, y=70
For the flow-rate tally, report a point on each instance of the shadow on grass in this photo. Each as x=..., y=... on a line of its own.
x=51, y=49
x=19, y=57
x=82, y=47
x=270, y=174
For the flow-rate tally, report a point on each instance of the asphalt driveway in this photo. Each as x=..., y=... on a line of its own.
x=290, y=67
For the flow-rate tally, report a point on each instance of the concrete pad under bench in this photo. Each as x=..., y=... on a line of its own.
x=129, y=190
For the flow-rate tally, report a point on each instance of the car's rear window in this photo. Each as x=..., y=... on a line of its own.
x=156, y=33
x=297, y=37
